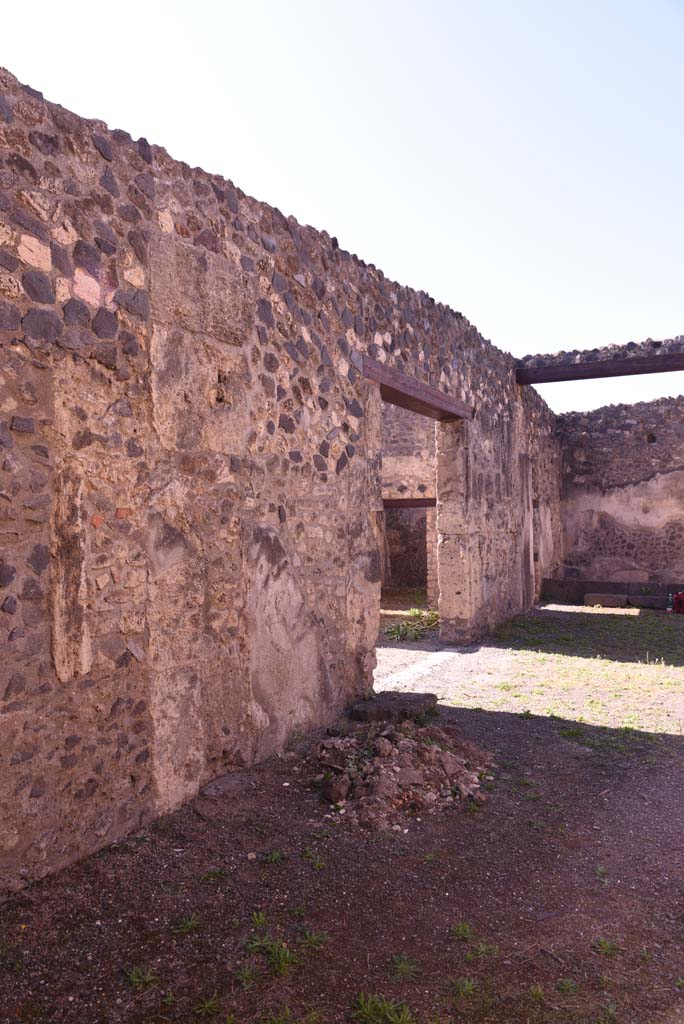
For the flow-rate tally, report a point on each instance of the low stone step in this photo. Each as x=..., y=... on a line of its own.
x=606, y=600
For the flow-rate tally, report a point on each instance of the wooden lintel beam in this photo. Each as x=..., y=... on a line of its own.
x=409, y=502
x=664, y=363
x=400, y=389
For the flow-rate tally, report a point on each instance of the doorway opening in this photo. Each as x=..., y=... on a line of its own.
x=410, y=550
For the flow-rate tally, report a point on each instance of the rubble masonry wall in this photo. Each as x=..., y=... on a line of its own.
x=190, y=478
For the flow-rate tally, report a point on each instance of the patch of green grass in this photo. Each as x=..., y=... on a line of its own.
x=403, y=968
x=140, y=977
x=275, y=857
x=313, y=940
x=462, y=987
x=606, y=947
x=214, y=875
x=369, y=1009
x=481, y=951
x=424, y=718
x=259, y=919
x=277, y=954
x=537, y=993
x=608, y=1015
x=284, y=1017
x=246, y=976
x=185, y=925
x=312, y=858
x=567, y=986
x=415, y=625
x=463, y=931
x=208, y=1007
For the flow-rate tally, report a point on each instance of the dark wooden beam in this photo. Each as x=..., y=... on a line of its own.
x=409, y=502
x=400, y=389
x=664, y=363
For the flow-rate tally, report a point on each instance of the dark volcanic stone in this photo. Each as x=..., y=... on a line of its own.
x=76, y=313
x=105, y=324
x=7, y=573
x=61, y=259
x=209, y=240
x=341, y=463
x=265, y=312
x=6, y=114
x=7, y=260
x=280, y=283
x=23, y=424
x=22, y=166
x=39, y=559
x=135, y=300
x=137, y=238
x=106, y=354
x=108, y=182
x=287, y=424
x=130, y=213
x=9, y=605
x=271, y=362
x=145, y=150
x=105, y=245
x=31, y=224
x=87, y=257
x=129, y=344
x=10, y=318
x=42, y=325
x=47, y=144
x=103, y=146
x=145, y=183
x=38, y=287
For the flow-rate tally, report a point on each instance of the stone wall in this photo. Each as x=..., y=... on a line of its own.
x=408, y=454
x=407, y=541
x=623, y=492
x=190, y=493
x=632, y=350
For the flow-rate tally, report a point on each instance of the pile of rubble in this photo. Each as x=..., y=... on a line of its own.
x=381, y=772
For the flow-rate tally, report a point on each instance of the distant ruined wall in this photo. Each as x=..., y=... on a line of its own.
x=623, y=492
x=190, y=492
x=409, y=471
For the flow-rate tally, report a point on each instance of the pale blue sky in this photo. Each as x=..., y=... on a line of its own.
x=523, y=162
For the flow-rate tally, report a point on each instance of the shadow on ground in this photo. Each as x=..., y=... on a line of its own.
x=560, y=901
x=644, y=637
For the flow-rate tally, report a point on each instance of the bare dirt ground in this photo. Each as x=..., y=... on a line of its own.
x=560, y=900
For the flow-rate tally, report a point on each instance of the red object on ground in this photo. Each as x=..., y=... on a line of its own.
x=678, y=603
